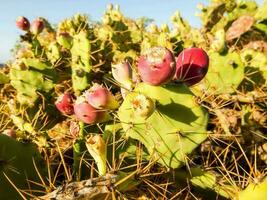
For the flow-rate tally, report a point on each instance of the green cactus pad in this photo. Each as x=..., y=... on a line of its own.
x=38, y=77
x=125, y=148
x=16, y=162
x=81, y=61
x=175, y=129
x=53, y=52
x=205, y=182
x=255, y=70
x=225, y=73
x=3, y=78
x=254, y=191
x=261, y=12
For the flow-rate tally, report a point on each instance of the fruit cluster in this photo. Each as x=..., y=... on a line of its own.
x=35, y=27
x=128, y=92
x=157, y=66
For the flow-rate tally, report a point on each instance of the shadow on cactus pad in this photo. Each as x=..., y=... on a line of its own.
x=16, y=163
x=176, y=127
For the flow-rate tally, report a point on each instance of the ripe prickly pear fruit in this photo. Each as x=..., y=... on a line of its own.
x=143, y=106
x=86, y=113
x=10, y=133
x=23, y=23
x=101, y=98
x=191, y=66
x=122, y=72
x=156, y=66
x=64, y=104
x=37, y=26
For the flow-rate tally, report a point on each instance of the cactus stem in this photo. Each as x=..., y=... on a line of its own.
x=77, y=151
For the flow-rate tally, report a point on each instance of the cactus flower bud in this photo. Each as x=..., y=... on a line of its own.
x=156, y=66
x=143, y=106
x=191, y=65
x=97, y=148
x=101, y=98
x=37, y=26
x=23, y=23
x=64, y=104
x=122, y=72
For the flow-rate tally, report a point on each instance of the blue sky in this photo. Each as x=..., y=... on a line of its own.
x=56, y=10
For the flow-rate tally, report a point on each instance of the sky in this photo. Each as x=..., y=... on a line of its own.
x=56, y=10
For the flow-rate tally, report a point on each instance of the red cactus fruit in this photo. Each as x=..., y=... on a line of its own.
x=191, y=66
x=101, y=98
x=87, y=113
x=64, y=104
x=23, y=23
x=156, y=66
x=37, y=26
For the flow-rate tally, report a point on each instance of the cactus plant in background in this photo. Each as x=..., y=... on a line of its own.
x=111, y=94
x=226, y=72
x=81, y=61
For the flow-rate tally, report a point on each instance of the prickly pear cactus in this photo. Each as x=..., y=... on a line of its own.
x=3, y=78
x=54, y=67
x=255, y=69
x=225, y=73
x=81, y=61
x=30, y=77
x=254, y=191
x=16, y=164
x=176, y=127
x=206, y=182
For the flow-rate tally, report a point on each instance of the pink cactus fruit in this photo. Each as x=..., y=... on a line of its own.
x=101, y=98
x=23, y=23
x=86, y=113
x=64, y=103
x=37, y=26
x=191, y=66
x=156, y=66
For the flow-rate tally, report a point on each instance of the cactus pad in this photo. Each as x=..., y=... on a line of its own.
x=225, y=72
x=176, y=128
